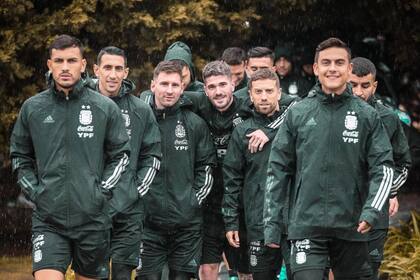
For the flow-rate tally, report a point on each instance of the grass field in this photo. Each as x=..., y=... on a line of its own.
x=15, y=268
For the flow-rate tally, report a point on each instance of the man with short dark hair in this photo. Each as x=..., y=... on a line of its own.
x=257, y=58
x=173, y=223
x=69, y=149
x=332, y=157
x=364, y=84
x=222, y=111
x=236, y=59
x=244, y=177
x=127, y=203
x=291, y=83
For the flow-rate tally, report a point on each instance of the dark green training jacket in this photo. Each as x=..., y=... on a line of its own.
x=242, y=84
x=244, y=174
x=337, y=154
x=400, y=152
x=67, y=151
x=221, y=125
x=185, y=177
x=294, y=85
x=143, y=131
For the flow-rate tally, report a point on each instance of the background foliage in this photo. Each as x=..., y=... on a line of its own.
x=145, y=28
x=402, y=250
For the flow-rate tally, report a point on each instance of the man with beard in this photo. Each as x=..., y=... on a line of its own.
x=69, y=149
x=364, y=84
x=245, y=175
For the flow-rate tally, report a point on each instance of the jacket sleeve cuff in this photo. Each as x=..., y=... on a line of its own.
x=371, y=217
x=272, y=236
x=231, y=227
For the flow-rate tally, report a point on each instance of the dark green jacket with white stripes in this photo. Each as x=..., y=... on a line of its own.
x=221, y=125
x=333, y=153
x=143, y=131
x=185, y=176
x=244, y=174
x=400, y=152
x=67, y=152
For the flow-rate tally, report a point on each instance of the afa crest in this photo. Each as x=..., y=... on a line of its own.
x=85, y=115
x=351, y=121
x=180, y=130
x=126, y=117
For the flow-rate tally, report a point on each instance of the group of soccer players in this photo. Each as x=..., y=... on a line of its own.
x=235, y=168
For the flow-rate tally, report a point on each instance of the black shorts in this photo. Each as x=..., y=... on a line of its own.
x=87, y=251
x=263, y=258
x=346, y=258
x=180, y=248
x=127, y=228
x=376, y=244
x=215, y=244
x=214, y=240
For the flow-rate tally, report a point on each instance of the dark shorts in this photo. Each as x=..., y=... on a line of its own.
x=180, y=248
x=346, y=258
x=376, y=244
x=263, y=258
x=87, y=251
x=215, y=244
x=126, y=234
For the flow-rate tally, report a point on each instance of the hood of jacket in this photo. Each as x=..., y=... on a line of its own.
x=181, y=51
x=127, y=87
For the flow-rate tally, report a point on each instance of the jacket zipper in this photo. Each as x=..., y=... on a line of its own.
x=330, y=144
x=67, y=161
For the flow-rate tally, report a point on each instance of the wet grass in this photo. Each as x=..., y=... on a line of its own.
x=15, y=268
x=20, y=268
x=402, y=250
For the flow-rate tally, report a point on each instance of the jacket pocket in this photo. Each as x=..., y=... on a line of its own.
x=293, y=204
x=254, y=206
x=37, y=193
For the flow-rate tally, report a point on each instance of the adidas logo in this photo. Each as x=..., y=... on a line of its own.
x=193, y=263
x=375, y=252
x=49, y=119
x=311, y=122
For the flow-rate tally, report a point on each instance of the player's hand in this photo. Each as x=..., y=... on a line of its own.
x=233, y=238
x=363, y=227
x=257, y=140
x=393, y=206
x=273, y=245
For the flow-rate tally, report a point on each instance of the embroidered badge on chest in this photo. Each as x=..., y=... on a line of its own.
x=351, y=120
x=181, y=143
x=350, y=134
x=85, y=115
x=85, y=129
x=127, y=121
x=126, y=117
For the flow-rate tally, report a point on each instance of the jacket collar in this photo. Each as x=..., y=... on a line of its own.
x=262, y=118
x=76, y=92
x=332, y=97
x=162, y=113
